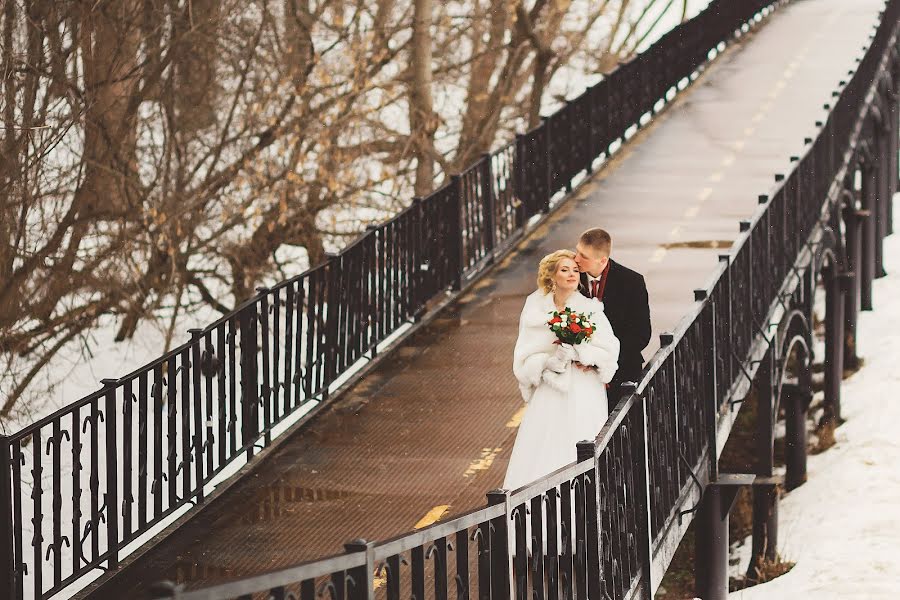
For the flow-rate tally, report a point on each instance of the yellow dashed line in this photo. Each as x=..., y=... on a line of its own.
x=728, y=160
x=432, y=516
x=758, y=117
x=484, y=463
x=738, y=145
x=675, y=231
x=749, y=131
x=658, y=255
x=707, y=191
x=692, y=212
x=715, y=177
x=516, y=419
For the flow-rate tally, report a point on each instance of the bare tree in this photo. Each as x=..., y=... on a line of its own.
x=162, y=158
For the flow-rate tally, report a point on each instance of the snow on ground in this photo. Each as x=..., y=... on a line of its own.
x=842, y=527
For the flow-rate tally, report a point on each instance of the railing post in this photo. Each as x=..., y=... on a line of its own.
x=362, y=577
x=263, y=293
x=112, y=473
x=199, y=428
x=490, y=207
x=249, y=384
x=456, y=218
x=8, y=558
x=334, y=296
x=645, y=534
x=499, y=548
x=587, y=450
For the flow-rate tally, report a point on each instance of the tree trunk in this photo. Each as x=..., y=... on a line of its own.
x=110, y=36
x=195, y=66
x=423, y=121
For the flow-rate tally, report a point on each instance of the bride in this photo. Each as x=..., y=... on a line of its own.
x=563, y=385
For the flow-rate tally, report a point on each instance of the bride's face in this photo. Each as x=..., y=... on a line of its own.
x=567, y=274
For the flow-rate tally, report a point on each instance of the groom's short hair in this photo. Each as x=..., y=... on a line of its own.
x=598, y=239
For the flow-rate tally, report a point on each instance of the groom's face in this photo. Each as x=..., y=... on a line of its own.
x=590, y=260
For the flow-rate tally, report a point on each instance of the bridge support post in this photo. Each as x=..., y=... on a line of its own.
x=711, y=556
x=836, y=286
x=882, y=187
x=796, y=401
x=867, y=259
x=893, y=156
x=853, y=220
x=765, y=499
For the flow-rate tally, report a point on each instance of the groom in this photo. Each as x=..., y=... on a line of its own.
x=624, y=296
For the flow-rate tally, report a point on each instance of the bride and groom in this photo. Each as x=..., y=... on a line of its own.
x=569, y=388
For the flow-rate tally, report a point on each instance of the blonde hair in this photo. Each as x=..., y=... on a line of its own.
x=548, y=267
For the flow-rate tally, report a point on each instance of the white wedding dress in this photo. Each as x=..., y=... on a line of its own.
x=555, y=421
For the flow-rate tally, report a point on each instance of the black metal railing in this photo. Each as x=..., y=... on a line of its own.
x=592, y=529
x=80, y=485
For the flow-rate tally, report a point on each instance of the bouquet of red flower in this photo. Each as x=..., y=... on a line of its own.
x=571, y=327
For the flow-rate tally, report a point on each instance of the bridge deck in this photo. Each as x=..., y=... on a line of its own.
x=433, y=427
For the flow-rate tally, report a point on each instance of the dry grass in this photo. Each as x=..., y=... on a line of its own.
x=766, y=571
x=825, y=435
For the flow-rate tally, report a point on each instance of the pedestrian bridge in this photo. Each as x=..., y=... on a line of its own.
x=343, y=433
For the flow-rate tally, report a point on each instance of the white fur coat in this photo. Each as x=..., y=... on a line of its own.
x=535, y=344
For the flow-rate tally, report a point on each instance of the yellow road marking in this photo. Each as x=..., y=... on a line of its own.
x=738, y=145
x=658, y=255
x=758, y=117
x=516, y=419
x=749, y=131
x=707, y=191
x=484, y=463
x=728, y=160
x=432, y=516
x=675, y=231
x=692, y=212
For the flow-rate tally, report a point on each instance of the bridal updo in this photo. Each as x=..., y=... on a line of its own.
x=548, y=267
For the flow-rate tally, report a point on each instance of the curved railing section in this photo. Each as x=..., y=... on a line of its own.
x=81, y=485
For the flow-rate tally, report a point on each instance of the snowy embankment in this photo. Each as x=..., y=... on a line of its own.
x=842, y=527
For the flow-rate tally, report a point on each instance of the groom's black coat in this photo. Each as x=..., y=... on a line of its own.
x=628, y=310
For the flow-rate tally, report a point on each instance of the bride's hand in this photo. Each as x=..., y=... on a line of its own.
x=584, y=367
x=558, y=362
x=566, y=353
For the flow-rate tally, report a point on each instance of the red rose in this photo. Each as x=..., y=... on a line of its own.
x=589, y=331
x=555, y=320
x=575, y=327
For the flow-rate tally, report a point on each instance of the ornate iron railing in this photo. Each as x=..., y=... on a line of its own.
x=85, y=482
